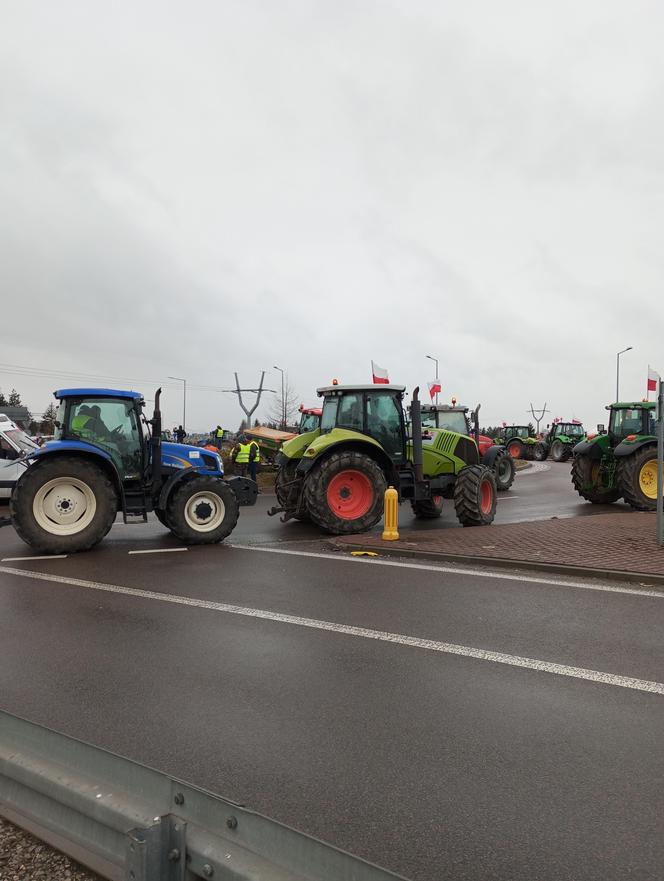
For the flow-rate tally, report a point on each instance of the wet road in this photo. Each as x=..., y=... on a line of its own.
x=446, y=724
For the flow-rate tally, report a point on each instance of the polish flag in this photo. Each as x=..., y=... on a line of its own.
x=379, y=375
x=653, y=377
x=434, y=388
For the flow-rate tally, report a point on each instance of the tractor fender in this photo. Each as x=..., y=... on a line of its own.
x=588, y=448
x=491, y=455
x=88, y=451
x=369, y=449
x=173, y=481
x=627, y=449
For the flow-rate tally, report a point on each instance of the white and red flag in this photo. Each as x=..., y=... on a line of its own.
x=434, y=388
x=379, y=374
x=653, y=377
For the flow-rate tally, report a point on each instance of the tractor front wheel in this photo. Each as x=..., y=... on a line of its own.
x=558, y=451
x=504, y=471
x=637, y=478
x=540, y=452
x=63, y=504
x=475, y=496
x=202, y=510
x=344, y=493
x=428, y=509
x=585, y=479
x=515, y=449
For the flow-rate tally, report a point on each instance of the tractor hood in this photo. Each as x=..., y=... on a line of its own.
x=185, y=456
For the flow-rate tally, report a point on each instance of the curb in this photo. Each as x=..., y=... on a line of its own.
x=502, y=563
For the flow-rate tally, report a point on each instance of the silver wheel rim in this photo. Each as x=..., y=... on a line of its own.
x=204, y=512
x=64, y=506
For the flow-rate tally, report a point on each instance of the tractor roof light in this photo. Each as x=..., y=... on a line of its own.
x=335, y=382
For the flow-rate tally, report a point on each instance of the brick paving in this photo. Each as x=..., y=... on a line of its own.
x=615, y=542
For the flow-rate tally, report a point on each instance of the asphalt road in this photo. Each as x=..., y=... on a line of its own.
x=444, y=724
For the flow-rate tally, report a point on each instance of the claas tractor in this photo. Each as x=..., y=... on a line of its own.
x=337, y=474
x=107, y=458
x=620, y=463
x=458, y=419
x=561, y=438
x=520, y=443
x=309, y=419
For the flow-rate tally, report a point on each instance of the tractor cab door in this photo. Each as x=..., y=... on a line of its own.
x=112, y=425
x=385, y=423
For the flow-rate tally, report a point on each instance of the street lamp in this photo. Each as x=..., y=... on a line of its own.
x=283, y=402
x=431, y=358
x=622, y=352
x=184, y=398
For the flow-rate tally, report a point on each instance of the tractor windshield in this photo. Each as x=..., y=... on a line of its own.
x=517, y=431
x=571, y=429
x=329, y=418
x=453, y=420
x=309, y=422
x=626, y=421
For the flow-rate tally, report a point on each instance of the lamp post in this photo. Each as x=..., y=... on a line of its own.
x=431, y=358
x=283, y=402
x=622, y=352
x=184, y=398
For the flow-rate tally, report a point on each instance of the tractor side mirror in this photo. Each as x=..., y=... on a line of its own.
x=600, y=428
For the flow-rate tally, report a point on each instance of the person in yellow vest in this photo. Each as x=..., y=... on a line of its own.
x=245, y=455
x=218, y=436
x=88, y=424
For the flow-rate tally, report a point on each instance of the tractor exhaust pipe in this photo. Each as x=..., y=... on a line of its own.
x=476, y=425
x=416, y=429
x=155, y=443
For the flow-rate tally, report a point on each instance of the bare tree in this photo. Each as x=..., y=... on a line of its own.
x=284, y=407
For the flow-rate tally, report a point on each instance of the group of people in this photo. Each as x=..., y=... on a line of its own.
x=245, y=455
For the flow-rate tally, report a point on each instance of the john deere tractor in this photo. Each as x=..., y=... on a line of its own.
x=108, y=459
x=521, y=444
x=457, y=418
x=620, y=463
x=337, y=474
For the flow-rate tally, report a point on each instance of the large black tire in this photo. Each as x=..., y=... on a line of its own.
x=475, y=496
x=567, y=452
x=161, y=517
x=515, y=448
x=584, y=480
x=557, y=451
x=63, y=505
x=344, y=494
x=637, y=478
x=428, y=509
x=202, y=510
x=288, y=490
x=504, y=471
x=540, y=452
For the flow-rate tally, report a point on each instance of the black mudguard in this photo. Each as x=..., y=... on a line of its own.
x=588, y=448
x=629, y=449
x=245, y=489
x=490, y=456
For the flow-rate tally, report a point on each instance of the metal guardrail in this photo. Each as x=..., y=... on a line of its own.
x=128, y=822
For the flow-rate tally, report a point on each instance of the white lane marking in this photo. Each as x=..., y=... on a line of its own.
x=431, y=645
x=159, y=551
x=43, y=557
x=453, y=570
x=507, y=498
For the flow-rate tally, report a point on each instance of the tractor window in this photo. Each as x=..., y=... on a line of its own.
x=429, y=419
x=453, y=420
x=571, y=429
x=308, y=422
x=350, y=413
x=329, y=418
x=624, y=422
x=384, y=423
x=111, y=425
x=651, y=422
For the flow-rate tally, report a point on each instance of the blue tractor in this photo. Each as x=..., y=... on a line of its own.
x=108, y=458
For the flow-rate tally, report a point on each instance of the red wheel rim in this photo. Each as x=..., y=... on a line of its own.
x=350, y=494
x=486, y=496
x=514, y=450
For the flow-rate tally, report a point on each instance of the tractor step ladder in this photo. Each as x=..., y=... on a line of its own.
x=134, y=508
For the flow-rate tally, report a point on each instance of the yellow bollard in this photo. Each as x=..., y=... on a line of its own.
x=391, y=515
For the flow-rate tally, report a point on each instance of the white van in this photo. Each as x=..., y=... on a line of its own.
x=14, y=443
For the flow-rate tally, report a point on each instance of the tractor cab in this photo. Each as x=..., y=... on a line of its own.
x=452, y=418
x=520, y=431
x=635, y=419
x=309, y=419
x=573, y=430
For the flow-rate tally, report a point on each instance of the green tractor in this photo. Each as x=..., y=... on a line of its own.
x=561, y=438
x=459, y=419
x=337, y=474
x=520, y=443
x=620, y=463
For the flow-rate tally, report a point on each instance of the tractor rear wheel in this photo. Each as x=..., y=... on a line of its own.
x=540, y=452
x=63, y=504
x=202, y=510
x=585, y=476
x=475, y=496
x=558, y=451
x=515, y=449
x=637, y=478
x=287, y=488
x=428, y=509
x=344, y=493
x=504, y=471
x=161, y=516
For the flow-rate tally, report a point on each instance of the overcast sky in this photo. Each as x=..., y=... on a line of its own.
x=196, y=188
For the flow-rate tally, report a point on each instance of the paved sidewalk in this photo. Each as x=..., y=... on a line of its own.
x=622, y=544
